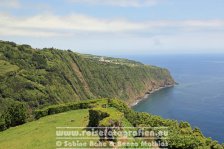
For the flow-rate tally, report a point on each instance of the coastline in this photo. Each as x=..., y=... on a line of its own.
x=149, y=93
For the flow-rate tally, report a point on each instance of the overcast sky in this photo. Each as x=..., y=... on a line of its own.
x=112, y=27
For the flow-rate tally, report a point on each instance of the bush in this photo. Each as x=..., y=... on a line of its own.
x=105, y=117
x=184, y=125
x=58, y=109
x=15, y=114
x=2, y=123
x=95, y=116
x=106, y=120
x=74, y=106
x=39, y=61
x=130, y=114
x=40, y=113
x=65, y=107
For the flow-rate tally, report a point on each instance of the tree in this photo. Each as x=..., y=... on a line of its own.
x=15, y=114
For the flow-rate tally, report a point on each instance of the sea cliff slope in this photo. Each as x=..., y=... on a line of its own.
x=47, y=76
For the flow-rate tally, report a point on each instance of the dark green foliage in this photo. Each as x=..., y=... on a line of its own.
x=2, y=123
x=54, y=109
x=40, y=113
x=15, y=114
x=58, y=109
x=215, y=145
x=184, y=124
x=105, y=117
x=51, y=76
x=39, y=61
x=41, y=78
x=122, y=107
x=105, y=113
x=95, y=116
x=106, y=120
x=181, y=135
x=25, y=46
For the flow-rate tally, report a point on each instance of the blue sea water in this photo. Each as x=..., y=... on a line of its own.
x=199, y=96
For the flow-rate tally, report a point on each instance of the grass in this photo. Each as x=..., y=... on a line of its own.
x=6, y=67
x=40, y=134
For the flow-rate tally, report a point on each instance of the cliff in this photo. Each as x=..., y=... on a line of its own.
x=47, y=76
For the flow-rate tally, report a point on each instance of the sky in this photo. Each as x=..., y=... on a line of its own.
x=116, y=27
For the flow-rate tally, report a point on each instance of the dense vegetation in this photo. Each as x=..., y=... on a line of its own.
x=38, y=78
x=36, y=83
x=15, y=114
x=104, y=113
x=54, y=109
x=40, y=134
x=181, y=135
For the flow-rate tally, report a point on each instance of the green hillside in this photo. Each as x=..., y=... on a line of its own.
x=42, y=89
x=41, y=77
x=41, y=133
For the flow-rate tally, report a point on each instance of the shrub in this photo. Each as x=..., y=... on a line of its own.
x=54, y=109
x=95, y=116
x=106, y=120
x=2, y=123
x=129, y=114
x=39, y=61
x=17, y=113
x=58, y=109
x=40, y=113
x=105, y=117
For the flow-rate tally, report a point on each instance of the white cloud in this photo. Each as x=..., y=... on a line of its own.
x=53, y=25
x=25, y=32
x=63, y=24
x=9, y=4
x=119, y=3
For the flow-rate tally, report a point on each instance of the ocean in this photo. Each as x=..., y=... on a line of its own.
x=199, y=96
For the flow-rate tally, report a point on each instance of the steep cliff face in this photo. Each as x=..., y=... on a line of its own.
x=47, y=76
